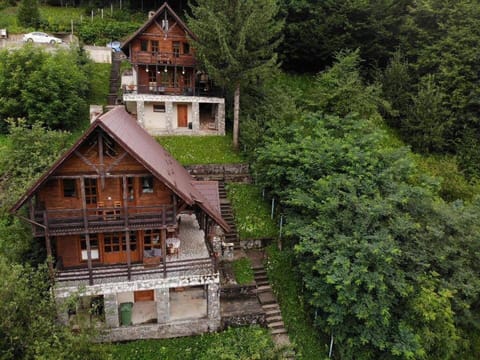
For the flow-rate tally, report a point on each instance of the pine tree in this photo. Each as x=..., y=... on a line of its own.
x=236, y=42
x=28, y=14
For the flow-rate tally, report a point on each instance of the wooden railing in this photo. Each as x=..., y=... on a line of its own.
x=77, y=221
x=163, y=58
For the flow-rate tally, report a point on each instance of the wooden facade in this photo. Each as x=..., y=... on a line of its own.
x=163, y=58
x=106, y=203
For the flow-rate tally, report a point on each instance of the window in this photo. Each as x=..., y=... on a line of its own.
x=152, y=76
x=151, y=239
x=144, y=45
x=90, y=191
x=93, y=247
x=154, y=46
x=111, y=242
x=131, y=188
x=133, y=241
x=69, y=188
x=159, y=107
x=186, y=48
x=147, y=184
x=186, y=80
x=176, y=48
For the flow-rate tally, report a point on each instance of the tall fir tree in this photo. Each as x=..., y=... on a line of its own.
x=28, y=14
x=236, y=43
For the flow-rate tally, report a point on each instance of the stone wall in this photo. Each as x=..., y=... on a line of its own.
x=221, y=172
x=238, y=291
x=258, y=318
x=187, y=327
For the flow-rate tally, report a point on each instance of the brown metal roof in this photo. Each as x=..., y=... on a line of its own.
x=209, y=189
x=150, y=21
x=124, y=129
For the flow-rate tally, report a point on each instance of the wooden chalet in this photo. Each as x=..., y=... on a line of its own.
x=166, y=89
x=111, y=212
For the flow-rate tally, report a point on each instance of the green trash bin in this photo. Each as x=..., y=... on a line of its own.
x=126, y=313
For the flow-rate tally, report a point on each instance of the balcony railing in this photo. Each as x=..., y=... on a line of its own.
x=168, y=90
x=76, y=221
x=163, y=58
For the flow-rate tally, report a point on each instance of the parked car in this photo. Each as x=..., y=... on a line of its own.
x=41, y=37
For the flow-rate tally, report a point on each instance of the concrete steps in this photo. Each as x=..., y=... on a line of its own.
x=273, y=314
x=228, y=216
x=114, y=79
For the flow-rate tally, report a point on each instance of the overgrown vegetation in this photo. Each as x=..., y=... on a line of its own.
x=242, y=269
x=190, y=150
x=252, y=213
x=99, y=77
x=286, y=283
x=244, y=343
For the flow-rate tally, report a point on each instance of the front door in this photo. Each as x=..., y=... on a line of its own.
x=115, y=248
x=182, y=115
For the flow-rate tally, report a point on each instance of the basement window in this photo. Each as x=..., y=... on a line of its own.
x=159, y=107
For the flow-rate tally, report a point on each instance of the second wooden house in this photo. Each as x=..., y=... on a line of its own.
x=166, y=89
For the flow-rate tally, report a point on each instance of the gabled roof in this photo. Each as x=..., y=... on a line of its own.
x=150, y=21
x=124, y=129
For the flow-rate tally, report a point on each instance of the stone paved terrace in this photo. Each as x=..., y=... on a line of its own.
x=192, y=260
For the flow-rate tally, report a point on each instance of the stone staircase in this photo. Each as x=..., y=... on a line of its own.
x=227, y=214
x=114, y=78
x=272, y=311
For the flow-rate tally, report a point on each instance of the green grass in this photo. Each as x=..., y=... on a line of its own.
x=57, y=17
x=99, y=83
x=252, y=213
x=286, y=284
x=235, y=343
x=189, y=150
x=242, y=269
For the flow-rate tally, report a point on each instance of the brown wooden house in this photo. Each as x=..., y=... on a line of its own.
x=124, y=221
x=166, y=89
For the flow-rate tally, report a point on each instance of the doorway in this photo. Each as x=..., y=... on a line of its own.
x=182, y=115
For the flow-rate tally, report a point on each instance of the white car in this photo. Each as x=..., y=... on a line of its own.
x=41, y=37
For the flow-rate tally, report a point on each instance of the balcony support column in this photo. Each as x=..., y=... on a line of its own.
x=163, y=241
x=195, y=117
x=169, y=117
x=129, y=255
x=162, y=299
x=141, y=113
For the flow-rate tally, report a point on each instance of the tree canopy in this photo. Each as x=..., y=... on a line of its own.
x=48, y=87
x=235, y=42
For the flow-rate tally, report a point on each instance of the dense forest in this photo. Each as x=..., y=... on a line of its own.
x=338, y=118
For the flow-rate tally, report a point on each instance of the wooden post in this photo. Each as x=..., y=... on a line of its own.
x=125, y=200
x=163, y=241
x=129, y=256
x=89, y=258
x=48, y=245
x=85, y=226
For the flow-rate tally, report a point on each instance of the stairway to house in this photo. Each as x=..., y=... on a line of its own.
x=272, y=309
x=227, y=214
x=114, y=78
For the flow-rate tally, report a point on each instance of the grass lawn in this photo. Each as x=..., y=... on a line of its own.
x=190, y=150
x=243, y=343
x=99, y=83
x=286, y=284
x=242, y=269
x=252, y=213
x=60, y=17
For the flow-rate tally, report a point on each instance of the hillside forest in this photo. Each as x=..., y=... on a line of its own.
x=361, y=118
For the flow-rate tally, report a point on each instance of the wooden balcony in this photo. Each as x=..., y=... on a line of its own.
x=162, y=58
x=102, y=219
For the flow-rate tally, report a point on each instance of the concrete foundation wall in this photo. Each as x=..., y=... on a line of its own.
x=162, y=331
x=99, y=54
